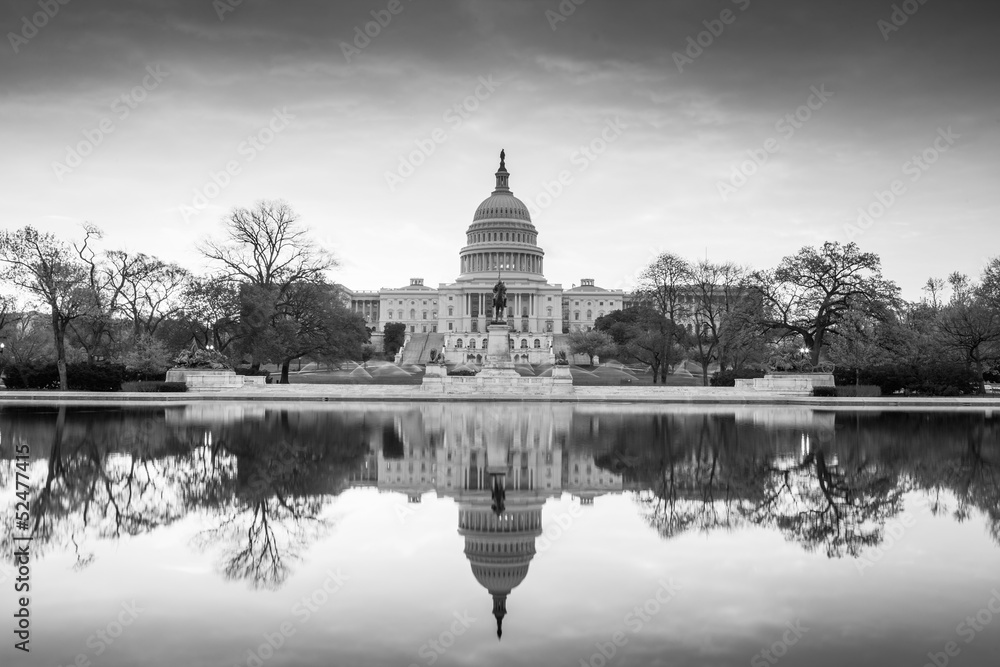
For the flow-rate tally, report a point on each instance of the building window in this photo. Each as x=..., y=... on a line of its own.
x=524, y=343
x=538, y=344
x=451, y=326
x=472, y=344
x=451, y=311
x=458, y=344
x=413, y=314
x=548, y=311
x=576, y=315
x=423, y=329
x=589, y=314
x=413, y=329
x=485, y=344
x=423, y=315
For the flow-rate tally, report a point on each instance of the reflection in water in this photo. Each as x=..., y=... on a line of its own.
x=263, y=477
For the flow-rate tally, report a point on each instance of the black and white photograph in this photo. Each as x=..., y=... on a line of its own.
x=499, y=333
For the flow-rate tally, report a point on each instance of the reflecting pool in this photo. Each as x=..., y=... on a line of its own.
x=502, y=534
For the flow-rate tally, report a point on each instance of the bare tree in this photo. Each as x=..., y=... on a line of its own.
x=934, y=287
x=149, y=289
x=663, y=286
x=719, y=290
x=267, y=246
x=50, y=271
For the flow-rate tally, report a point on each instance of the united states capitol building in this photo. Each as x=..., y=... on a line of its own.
x=501, y=241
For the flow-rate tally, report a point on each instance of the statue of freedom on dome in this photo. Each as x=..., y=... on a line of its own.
x=500, y=302
x=503, y=156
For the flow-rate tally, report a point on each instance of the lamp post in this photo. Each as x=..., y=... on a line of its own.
x=3, y=361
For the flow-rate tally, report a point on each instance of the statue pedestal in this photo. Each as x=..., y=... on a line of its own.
x=206, y=379
x=498, y=363
x=498, y=344
x=788, y=383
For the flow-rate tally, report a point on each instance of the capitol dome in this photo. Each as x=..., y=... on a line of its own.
x=502, y=205
x=501, y=238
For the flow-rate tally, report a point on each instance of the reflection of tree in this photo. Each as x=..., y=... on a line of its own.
x=266, y=524
x=968, y=467
x=841, y=507
x=86, y=492
x=708, y=472
x=278, y=473
x=109, y=473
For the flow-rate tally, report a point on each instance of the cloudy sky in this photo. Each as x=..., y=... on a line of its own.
x=788, y=118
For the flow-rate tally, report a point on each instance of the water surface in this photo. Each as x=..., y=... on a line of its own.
x=377, y=535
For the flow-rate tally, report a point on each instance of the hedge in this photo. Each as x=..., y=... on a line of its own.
x=729, y=378
x=81, y=377
x=148, y=386
x=936, y=380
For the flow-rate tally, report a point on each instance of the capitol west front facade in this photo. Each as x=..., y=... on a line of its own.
x=500, y=241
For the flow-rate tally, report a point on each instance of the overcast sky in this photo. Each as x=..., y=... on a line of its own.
x=332, y=116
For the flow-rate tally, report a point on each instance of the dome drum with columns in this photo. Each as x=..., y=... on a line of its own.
x=501, y=242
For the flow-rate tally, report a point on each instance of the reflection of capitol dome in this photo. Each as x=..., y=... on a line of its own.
x=499, y=547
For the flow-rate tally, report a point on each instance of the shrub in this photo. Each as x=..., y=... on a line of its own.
x=202, y=359
x=825, y=392
x=245, y=370
x=729, y=378
x=463, y=372
x=936, y=380
x=154, y=387
x=859, y=391
x=81, y=377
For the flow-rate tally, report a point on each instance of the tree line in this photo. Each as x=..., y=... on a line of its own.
x=823, y=306
x=265, y=297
